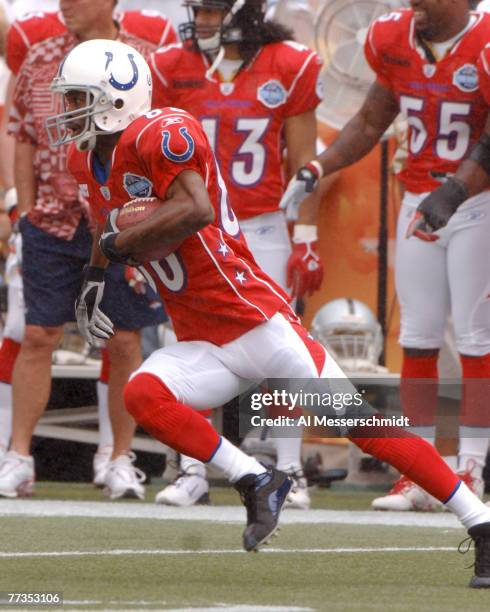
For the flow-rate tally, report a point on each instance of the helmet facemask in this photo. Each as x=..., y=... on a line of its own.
x=57, y=126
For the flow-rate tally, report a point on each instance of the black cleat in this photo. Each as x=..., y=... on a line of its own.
x=481, y=536
x=263, y=496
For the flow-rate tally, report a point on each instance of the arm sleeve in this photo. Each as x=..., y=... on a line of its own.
x=373, y=57
x=305, y=92
x=484, y=73
x=168, y=150
x=16, y=48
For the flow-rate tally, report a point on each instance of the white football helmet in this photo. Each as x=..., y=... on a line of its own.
x=116, y=81
x=349, y=331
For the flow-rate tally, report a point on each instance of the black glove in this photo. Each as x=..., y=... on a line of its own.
x=437, y=208
x=92, y=322
x=107, y=241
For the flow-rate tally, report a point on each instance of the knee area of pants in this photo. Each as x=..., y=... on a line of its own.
x=142, y=392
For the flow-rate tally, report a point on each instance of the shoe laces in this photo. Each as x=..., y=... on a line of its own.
x=139, y=475
x=181, y=477
x=482, y=549
x=299, y=481
x=401, y=485
x=12, y=460
x=466, y=475
x=249, y=496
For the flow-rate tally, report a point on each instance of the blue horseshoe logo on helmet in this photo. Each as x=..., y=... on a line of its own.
x=178, y=157
x=116, y=84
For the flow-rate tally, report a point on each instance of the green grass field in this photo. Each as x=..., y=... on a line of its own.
x=154, y=564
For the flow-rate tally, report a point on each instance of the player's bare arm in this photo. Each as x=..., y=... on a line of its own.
x=187, y=209
x=25, y=180
x=300, y=132
x=362, y=132
x=474, y=171
x=356, y=140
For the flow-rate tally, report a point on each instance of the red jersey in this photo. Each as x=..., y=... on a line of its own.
x=35, y=27
x=484, y=72
x=244, y=118
x=212, y=288
x=36, y=46
x=442, y=101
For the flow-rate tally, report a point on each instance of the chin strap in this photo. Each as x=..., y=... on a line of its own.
x=216, y=62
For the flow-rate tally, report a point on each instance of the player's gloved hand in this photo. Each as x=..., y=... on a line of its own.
x=93, y=324
x=304, y=268
x=135, y=280
x=107, y=241
x=299, y=187
x=419, y=228
x=434, y=212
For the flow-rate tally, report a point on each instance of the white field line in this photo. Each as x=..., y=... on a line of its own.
x=237, y=551
x=219, y=514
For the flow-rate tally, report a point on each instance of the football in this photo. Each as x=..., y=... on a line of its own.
x=138, y=210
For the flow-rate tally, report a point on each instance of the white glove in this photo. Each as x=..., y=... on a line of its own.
x=300, y=186
x=93, y=324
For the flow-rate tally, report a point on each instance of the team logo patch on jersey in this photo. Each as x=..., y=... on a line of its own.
x=466, y=78
x=106, y=192
x=226, y=88
x=169, y=147
x=429, y=70
x=137, y=186
x=272, y=94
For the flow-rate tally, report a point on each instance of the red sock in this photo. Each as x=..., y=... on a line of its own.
x=207, y=414
x=104, y=370
x=155, y=408
x=8, y=354
x=476, y=391
x=419, y=396
x=412, y=456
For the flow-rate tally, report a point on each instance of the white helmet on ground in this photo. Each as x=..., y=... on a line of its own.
x=349, y=330
x=116, y=81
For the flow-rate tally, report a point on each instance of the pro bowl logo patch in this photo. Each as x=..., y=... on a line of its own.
x=137, y=186
x=272, y=94
x=466, y=78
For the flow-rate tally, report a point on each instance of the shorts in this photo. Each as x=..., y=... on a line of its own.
x=52, y=273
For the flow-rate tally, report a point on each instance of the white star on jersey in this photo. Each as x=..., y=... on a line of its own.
x=223, y=249
x=240, y=277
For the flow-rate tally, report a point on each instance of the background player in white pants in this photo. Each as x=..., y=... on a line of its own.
x=436, y=46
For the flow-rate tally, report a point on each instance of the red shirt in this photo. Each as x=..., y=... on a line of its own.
x=243, y=119
x=212, y=288
x=36, y=46
x=443, y=101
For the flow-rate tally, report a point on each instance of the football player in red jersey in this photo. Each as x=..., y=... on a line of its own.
x=425, y=60
x=255, y=92
x=56, y=226
x=233, y=323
